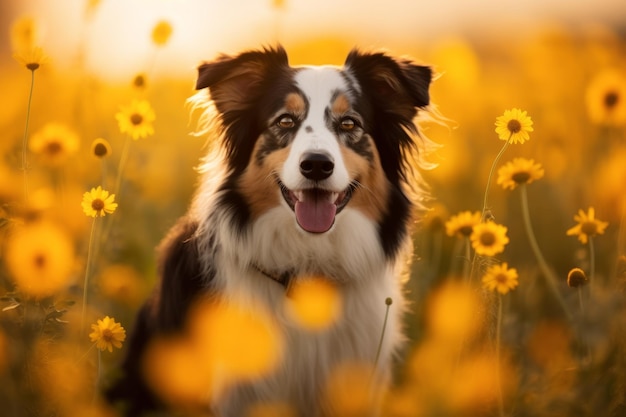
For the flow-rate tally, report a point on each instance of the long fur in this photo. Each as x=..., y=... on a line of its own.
x=243, y=229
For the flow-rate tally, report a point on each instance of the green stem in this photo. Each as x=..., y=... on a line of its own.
x=87, y=270
x=498, y=376
x=547, y=272
x=25, y=139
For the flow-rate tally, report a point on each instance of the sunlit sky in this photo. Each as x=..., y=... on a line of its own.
x=116, y=38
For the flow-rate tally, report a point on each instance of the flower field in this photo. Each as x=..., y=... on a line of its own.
x=517, y=283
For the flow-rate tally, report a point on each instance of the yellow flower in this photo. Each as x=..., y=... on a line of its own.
x=519, y=171
x=462, y=224
x=40, y=258
x=161, y=33
x=100, y=148
x=588, y=226
x=107, y=334
x=98, y=202
x=136, y=119
x=500, y=278
x=31, y=58
x=55, y=143
x=606, y=98
x=514, y=126
x=489, y=238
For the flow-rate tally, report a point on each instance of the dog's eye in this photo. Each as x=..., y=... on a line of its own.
x=347, y=124
x=285, y=122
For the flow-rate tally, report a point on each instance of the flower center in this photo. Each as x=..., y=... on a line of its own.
x=521, y=177
x=32, y=66
x=589, y=228
x=136, y=119
x=514, y=126
x=611, y=99
x=53, y=148
x=97, y=204
x=465, y=230
x=40, y=261
x=107, y=335
x=501, y=279
x=487, y=239
x=100, y=150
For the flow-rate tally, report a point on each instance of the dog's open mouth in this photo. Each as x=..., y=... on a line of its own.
x=316, y=208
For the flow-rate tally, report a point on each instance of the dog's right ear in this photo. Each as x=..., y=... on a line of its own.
x=234, y=81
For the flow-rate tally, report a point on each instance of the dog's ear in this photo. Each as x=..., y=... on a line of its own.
x=394, y=90
x=234, y=81
x=398, y=83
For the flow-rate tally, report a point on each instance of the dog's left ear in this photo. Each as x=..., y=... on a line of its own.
x=398, y=83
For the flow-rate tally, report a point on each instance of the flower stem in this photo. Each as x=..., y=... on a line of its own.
x=493, y=167
x=87, y=270
x=498, y=376
x=25, y=139
x=543, y=265
x=388, y=302
x=483, y=216
x=592, y=262
x=121, y=166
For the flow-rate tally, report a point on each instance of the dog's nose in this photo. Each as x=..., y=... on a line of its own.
x=316, y=166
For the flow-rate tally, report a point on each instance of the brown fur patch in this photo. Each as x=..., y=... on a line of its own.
x=371, y=197
x=295, y=104
x=258, y=182
x=341, y=104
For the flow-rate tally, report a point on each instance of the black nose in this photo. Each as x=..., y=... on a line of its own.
x=316, y=166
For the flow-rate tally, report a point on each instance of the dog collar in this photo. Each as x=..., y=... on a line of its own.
x=283, y=279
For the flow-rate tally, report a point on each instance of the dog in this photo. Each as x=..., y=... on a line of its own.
x=311, y=173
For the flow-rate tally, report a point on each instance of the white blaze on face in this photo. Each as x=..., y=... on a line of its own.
x=316, y=203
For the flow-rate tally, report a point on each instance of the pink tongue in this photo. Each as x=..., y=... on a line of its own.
x=315, y=213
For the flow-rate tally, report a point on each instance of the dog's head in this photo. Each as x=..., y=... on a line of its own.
x=318, y=140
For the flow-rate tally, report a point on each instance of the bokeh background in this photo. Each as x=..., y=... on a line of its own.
x=562, y=62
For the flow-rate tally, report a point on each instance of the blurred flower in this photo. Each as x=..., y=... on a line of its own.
x=514, y=126
x=349, y=390
x=462, y=224
x=313, y=303
x=107, y=334
x=500, y=278
x=279, y=4
x=606, y=98
x=576, y=277
x=98, y=202
x=136, y=119
x=24, y=33
x=454, y=314
x=519, y=171
x=588, y=226
x=100, y=148
x=55, y=143
x=32, y=58
x=489, y=238
x=40, y=257
x=161, y=33
x=225, y=332
x=122, y=283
